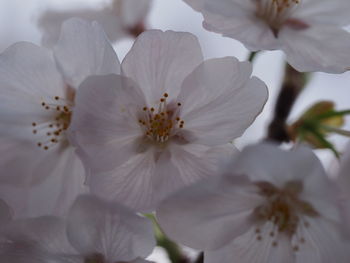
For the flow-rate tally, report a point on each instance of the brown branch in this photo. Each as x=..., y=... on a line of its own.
x=293, y=84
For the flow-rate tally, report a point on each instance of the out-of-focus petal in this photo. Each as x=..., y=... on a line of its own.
x=110, y=229
x=318, y=48
x=326, y=12
x=211, y=213
x=83, y=50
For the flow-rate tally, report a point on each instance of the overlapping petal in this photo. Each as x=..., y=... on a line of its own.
x=109, y=229
x=105, y=121
x=209, y=214
x=220, y=100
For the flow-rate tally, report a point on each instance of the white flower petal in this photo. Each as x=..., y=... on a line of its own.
x=326, y=12
x=219, y=100
x=61, y=176
x=255, y=162
x=234, y=19
x=51, y=20
x=131, y=183
x=323, y=243
x=247, y=249
x=105, y=124
x=209, y=214
x=47, y=233
x=110, y=229
x=159, y=62
x=318, y=48
x=27, y=76
x=83, y=50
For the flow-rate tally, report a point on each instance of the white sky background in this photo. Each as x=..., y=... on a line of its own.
x=17, y=23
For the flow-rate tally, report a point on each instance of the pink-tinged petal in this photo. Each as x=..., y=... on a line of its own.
x=220, y=100
x=209, y=214
x=131, y=183
x=160, y=61
x=247, y=249
x=260, y=35
x=61, y=177
x=318, y=48
x=147, y=178
x=234, y=19
x=105, y=124
x=95, y=226
x=325, y=12
x=5, y=213
x=28, y=75
x=323, y=243
x=194, y=162
x=83, y=50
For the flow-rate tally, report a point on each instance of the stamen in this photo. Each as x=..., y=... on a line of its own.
x=283, y=213
x=161, y=124
x=52, y=133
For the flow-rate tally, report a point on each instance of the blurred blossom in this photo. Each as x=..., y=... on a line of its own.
x=94, y=231
x=270, y=205
x=120, y=18
x=36, y=102
x=308, y=31
x=165, y=121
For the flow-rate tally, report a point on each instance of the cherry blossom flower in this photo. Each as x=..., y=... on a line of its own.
x=94, y=231
x=308, y=31
x=119, y=19
x=269, y=206
x=36, y=105
x=165, y=122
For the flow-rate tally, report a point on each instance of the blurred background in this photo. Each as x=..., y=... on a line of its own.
x=19, y=20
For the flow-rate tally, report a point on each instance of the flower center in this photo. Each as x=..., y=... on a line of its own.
x=52, y=132
x=283, y=210
x=276, y=12
x=159, y=125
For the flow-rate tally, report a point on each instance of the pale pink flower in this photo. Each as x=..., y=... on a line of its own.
x=165, y=121
x=308, y=31
x=270, y=206
x=94, y=231
x=119, y=19
x=37, y=91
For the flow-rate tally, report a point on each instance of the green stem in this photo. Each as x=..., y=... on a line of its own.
x=252, y=56
x=173, y=250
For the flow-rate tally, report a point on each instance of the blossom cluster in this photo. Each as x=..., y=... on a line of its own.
x=89, y=144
